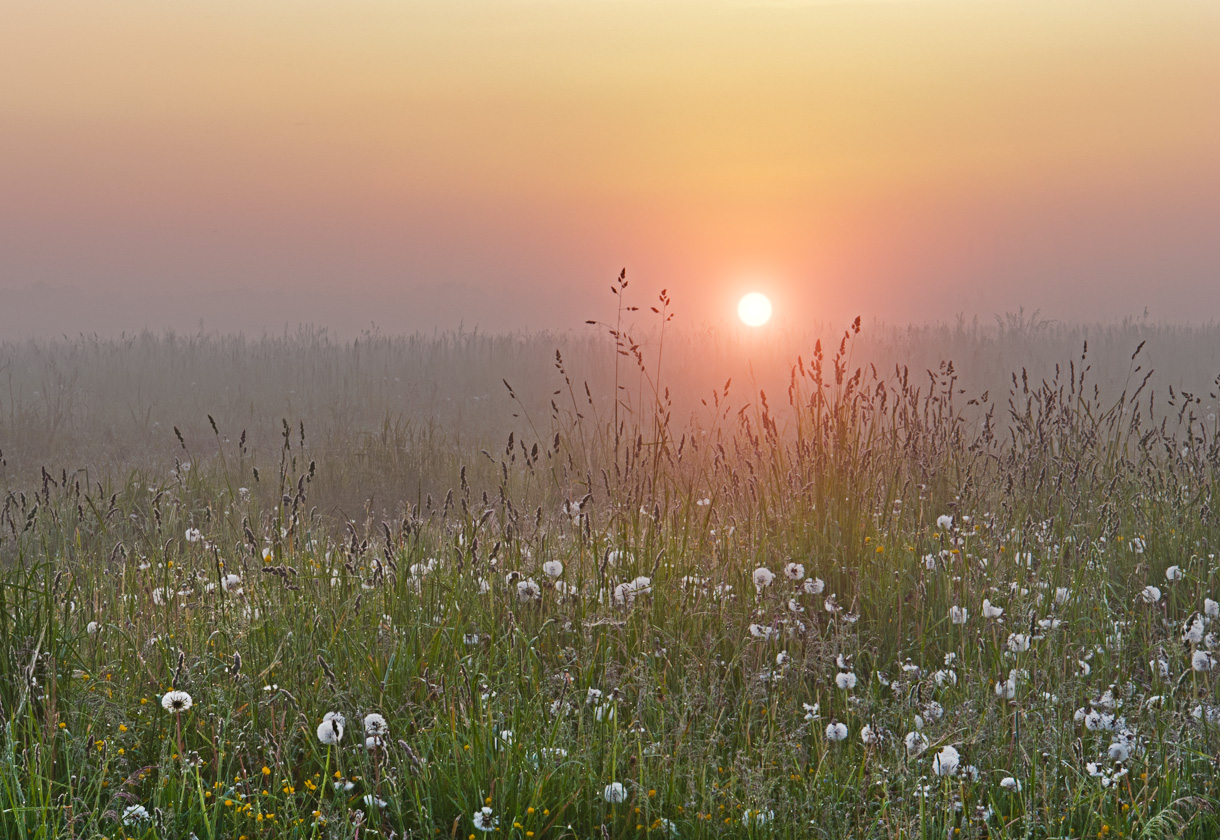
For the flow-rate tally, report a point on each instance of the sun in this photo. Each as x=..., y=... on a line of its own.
x=754, y=309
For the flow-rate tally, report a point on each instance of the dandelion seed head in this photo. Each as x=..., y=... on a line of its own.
x=176, y=701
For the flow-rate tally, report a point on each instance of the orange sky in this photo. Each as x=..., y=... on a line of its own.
x=422, y=163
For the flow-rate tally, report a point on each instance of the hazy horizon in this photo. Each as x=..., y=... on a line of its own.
x=419, y=166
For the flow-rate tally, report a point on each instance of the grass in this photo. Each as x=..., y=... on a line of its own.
x=655, y=655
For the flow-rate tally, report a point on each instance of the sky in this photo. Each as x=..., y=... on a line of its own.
x=428, y=164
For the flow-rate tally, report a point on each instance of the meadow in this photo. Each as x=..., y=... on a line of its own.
x=942, y=582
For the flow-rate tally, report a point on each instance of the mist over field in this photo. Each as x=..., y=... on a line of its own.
x=435, y=401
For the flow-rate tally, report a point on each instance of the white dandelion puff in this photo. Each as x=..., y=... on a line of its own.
x=615, y=793
x=946, y=762
x=1018, y=642
x=330, y=730
x=916, y=743
x=484, y=820
x=176, y=701
x=133, y=814
x=763, y=577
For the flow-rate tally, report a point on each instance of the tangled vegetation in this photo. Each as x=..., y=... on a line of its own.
x=876, y=606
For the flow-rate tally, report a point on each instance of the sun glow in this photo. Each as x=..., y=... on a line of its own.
x=754, y=309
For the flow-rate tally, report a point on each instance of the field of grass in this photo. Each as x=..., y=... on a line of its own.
x=617, y=598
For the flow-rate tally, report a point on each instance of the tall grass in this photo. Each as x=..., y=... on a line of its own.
x=649, y=576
